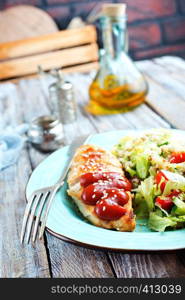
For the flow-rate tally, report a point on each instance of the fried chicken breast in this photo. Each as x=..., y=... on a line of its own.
x=95, y=160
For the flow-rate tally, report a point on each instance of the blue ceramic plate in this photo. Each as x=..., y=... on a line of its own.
x=64, y=220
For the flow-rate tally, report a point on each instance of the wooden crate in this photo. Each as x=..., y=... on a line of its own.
x=72, y=49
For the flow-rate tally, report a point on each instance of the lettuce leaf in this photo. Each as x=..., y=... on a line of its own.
x=159, y=223
x=175, y=182
x=162, y=210
x=132, y=172
x=180, y=207
x=142, y=166
x=178, y=219
x=140, y=206
x=147, y=191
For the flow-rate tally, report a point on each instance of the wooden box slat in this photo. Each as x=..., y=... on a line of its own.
x=59, y=40
x=61, y=58
x=82, y=68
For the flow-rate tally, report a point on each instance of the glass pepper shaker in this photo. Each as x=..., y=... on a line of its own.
x=118, y=86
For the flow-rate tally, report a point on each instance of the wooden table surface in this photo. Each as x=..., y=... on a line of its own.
x=52, y=257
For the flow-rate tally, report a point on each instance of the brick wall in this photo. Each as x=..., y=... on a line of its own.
x=156, y=27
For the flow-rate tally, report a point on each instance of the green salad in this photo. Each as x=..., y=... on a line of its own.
x=155, y=164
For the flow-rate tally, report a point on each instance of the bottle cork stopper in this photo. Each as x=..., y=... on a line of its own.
x=114, y=10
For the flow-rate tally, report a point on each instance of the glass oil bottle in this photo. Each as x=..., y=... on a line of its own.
x=118, y=86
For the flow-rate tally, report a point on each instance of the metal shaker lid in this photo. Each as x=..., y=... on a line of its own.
x=66, y=87
x=45, y=122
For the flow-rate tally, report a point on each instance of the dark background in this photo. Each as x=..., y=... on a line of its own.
x=156, y=27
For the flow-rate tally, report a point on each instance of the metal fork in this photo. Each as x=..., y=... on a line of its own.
x=43, y=198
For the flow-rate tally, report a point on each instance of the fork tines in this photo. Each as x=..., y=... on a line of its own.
x=35, y=203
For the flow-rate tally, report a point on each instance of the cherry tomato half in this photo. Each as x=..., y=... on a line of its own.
x=89, y=178
x=177, y=157
x=165, y=203
x=106, y=209
x=161, y=180
x=174, y=193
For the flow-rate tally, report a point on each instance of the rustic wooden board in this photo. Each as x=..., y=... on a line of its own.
x=24, y=21
x=164, y=108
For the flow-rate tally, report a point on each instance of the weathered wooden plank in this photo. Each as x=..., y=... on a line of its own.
x=177, y=80
x=155, y=265
x=171, y=80
x=66, y=259
x=16, y=260
x=70, y=261
x=143, y=117
x=172, y=63
x=165, y=102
